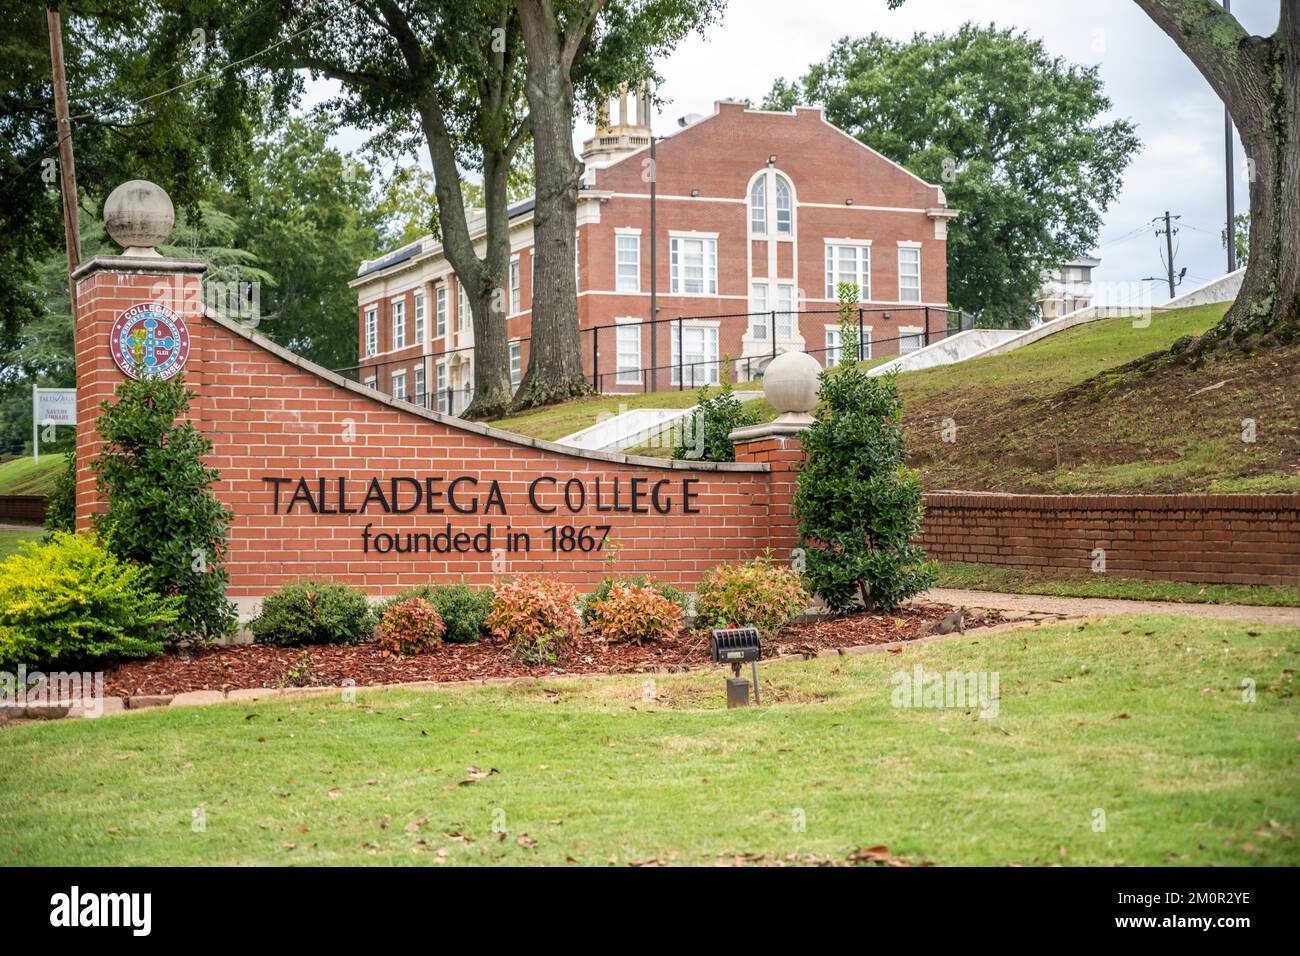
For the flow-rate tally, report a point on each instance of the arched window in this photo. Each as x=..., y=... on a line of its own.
x=784, y=206
x=758, y=207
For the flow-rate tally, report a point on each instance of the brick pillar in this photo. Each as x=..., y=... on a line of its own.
x=106, y=287
x=778, y=444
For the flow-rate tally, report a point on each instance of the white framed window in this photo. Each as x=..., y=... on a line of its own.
x=516, y=287
x=784, y=205
x=440, y=377
x=372, y=330
x=848, y=262
x=440, y=311
x=627, y=262
x=420, y=318
x=694, y=262
x=399, y=385
x=784, y=311
x=695, y=355
x=758, y=319
x=372, y=382
x=516, y=363
x=399, y=323
x=866, y=342
x=833, y=343
x=462, y=308
x=909, y=338
x=909, y=273
x=420, y=385
x=758, y=207
x=628, y=353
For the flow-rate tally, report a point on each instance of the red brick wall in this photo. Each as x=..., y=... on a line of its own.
x=269, y=415
x=1232, y=539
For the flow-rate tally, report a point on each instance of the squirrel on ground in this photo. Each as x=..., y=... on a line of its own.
x=956, y=621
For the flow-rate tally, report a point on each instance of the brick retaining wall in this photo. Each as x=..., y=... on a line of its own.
x=22, y=509
x=1230, y=539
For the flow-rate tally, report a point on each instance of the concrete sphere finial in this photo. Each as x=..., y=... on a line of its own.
x=139, y=216
x=791, y=384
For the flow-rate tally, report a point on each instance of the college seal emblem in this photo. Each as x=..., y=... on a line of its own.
x=150, y=339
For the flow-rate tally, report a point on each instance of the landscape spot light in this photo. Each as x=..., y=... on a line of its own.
x=734, y=646
x=849, y=201
x=695, y=192
x=771, y=160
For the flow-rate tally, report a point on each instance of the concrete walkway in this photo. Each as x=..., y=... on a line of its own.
x=1102, y=607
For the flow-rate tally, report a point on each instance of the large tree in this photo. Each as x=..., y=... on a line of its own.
x=578, y=52
x=1258, y=79
x=445, y=74
x=1012, y=133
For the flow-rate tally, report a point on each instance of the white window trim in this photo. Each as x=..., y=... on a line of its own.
x=673, y=236
x=515, y=285
x=864, y=288
x=865, y=342
x=396, y=307
x=421, y=317
x=372, y=330
x=510, y=360
x=397, y=377
x=372, y=382
x=906, y=330
x=440, y=310
x=838, y=347
x=695, y=324
x=902, y=244
x=627, y=234
x=634, y=378
x=768, y=176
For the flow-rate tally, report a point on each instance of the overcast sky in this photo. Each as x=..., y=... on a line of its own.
x=1149, y=81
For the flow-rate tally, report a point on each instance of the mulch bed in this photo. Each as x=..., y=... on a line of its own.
x=259, y=666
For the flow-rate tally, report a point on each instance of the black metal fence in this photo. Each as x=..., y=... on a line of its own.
x=776, y=330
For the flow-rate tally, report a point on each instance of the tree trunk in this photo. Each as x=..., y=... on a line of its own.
x=1258, y=78
x=555, y=358
x=492, y=390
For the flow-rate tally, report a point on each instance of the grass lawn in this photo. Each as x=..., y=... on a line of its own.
x=10, y=540
x=992, y=577
x=23, y=476
x=1180, y=430
x=557, y=421
x=1139, y=719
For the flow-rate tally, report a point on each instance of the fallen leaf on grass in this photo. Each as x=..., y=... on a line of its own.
x=527, y=842
x=475, y=774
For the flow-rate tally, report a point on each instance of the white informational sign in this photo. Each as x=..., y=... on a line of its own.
x=51, y=407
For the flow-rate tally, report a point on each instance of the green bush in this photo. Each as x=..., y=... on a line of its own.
x=72, y=602
x=463, y=609
x=313, y=612
x=757, y=593
x=673, y=594
x=858, y=505
x=161, y=510
x=61, y=505
x=704, y=436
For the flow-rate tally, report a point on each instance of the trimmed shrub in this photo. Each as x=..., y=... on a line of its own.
x=858, y=506
x=634, y=613
x=410, y=627
x=71, y=601
x=313, y=612
x=535, y=616
x=755, y=593
x=673, y=594
x=704, y=435
x=464, y=610
x=61, y=505
x=161, y=509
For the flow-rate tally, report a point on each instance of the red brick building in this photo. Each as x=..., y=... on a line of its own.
x=759, y=216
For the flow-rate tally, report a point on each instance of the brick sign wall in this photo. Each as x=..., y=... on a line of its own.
x=1233, y=539
x=329, y=480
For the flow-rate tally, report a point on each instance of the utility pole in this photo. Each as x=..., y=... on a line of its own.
x=67, y=170
x=654, y=271
x=1169, y=247
x=1227, y=169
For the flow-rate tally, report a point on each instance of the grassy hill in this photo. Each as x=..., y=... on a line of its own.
x=1018, y=431
x=23, y=476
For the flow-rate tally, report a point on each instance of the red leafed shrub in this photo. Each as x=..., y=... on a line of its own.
x=410, y=626
x=757, y=592
x=634, y=613
x=535, y=616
